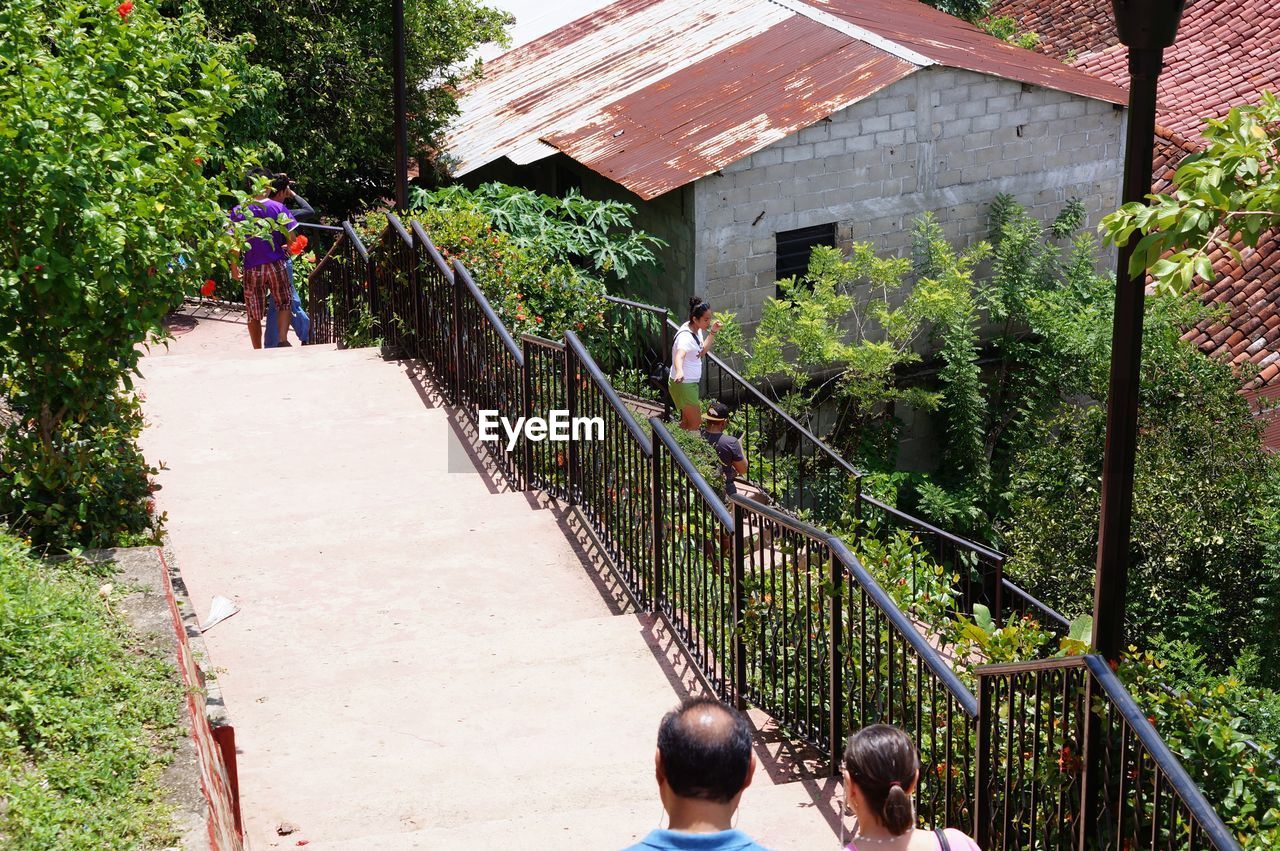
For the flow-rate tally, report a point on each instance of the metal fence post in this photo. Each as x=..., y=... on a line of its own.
x=1093, y=753
x=982, y=771
x=457, y=341
x=656, y=587
x=526, y=392
x=571, y=402
x=739, y=608
x=665, y=359
x=836, y=726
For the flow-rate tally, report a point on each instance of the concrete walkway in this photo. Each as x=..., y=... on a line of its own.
x=419, y=661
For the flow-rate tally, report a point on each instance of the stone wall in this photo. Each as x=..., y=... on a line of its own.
x=941, y=140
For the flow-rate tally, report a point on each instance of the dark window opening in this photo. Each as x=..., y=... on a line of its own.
x=794, y=247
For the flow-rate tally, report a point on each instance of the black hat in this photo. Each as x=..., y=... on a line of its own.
x=717, y=412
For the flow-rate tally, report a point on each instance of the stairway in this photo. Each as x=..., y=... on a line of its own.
x=419, y=661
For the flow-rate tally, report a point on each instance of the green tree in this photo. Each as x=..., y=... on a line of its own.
x=332, y=121
x=109, y=212
x=1198, y=569
x=1226, y=195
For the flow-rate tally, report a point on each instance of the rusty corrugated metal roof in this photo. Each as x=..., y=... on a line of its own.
x=689, y=125
x=657, y=93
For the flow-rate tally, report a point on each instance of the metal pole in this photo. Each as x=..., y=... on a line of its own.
x=1112, y=574
x=401, y=120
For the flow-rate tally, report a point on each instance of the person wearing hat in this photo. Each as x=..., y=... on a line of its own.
x=729, y=449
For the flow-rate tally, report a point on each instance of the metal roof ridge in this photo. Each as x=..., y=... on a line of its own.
x=854, y=31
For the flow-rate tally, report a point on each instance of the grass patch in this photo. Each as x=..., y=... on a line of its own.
x=87, y=721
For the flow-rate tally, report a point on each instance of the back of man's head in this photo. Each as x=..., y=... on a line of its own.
x=706, y=750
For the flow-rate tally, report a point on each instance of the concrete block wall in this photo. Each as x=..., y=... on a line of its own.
x=941, y=140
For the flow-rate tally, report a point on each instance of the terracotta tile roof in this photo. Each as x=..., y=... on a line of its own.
x=1068, y=29
x=1224, y=55
x=1169, y=153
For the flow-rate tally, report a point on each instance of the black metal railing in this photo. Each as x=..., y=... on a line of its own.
x=490, y=377
x=694, y=565
x=772, y=610
x=1067, y=759
x=338, y=288
x=610, y=479
x=435, y=292
x=546, y=464
x=826, y=651
x=394, y=269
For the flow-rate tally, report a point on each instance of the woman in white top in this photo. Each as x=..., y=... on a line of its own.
x=687, y=351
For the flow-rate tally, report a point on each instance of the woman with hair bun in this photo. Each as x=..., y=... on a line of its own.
x=881, y=769
x=687, y=351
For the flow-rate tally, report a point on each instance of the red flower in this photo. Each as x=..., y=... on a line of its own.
x=198, y=161
x=298, y=246
x=208, y=288
x=125, y=8
x=39, y=268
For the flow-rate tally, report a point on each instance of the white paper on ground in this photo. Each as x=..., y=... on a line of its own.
x=219, y=610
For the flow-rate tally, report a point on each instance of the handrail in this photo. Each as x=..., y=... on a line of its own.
x=787, y=418
x=1053, y=613
x=925, y=526
x=691, y=472
x=859, y=574
x=501, y=330
x=638, y=305
x=541, y=341
x=318, y=226
x=1002, y=668
x=356, y=241
x=329, y=255
x=432, y=251
x=1169, y=764
x=573, y=344
x=394, y=222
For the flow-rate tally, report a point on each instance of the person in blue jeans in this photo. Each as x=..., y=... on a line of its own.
x=283, y=192
x=703, y=764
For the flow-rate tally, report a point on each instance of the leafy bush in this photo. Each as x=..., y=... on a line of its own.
x=89, y=486
x=595, y=237
x=1197, y=567
x=531, y=291
x=108, y=216
x=86, y=723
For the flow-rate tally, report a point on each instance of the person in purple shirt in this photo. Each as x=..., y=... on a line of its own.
x=282, y=190
x=703, y=765
x=264, y=262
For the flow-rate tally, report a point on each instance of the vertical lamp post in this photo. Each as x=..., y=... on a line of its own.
x=1147, y=27
x=401, y=121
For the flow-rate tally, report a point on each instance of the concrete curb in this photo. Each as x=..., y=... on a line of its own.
x=211, y=727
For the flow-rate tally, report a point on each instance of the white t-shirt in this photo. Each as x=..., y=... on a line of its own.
x=687, y=345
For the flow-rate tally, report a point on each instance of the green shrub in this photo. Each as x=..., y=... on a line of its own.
x=89, y=487
x=109, y=215
x=86, y=722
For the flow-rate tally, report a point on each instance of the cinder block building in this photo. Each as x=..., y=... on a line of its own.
x=748, y=131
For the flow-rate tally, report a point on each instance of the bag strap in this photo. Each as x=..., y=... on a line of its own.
x=943, y=842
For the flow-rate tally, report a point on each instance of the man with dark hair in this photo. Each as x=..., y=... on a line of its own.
x=703, y=764
x=732, y=462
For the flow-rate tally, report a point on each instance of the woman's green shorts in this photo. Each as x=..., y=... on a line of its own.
x=684, y=393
